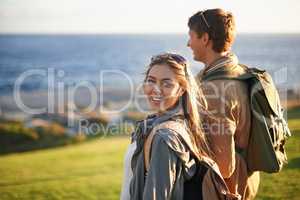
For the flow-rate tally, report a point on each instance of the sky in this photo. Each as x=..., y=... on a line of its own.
x=142, y=16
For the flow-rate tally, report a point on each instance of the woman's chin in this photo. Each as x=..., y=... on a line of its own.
x=156, y=107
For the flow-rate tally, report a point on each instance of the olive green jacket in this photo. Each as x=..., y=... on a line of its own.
x=170, y=165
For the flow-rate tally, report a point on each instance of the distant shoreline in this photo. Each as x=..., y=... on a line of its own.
x=112, y=97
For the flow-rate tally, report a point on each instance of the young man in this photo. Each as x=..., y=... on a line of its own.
x=227, y=122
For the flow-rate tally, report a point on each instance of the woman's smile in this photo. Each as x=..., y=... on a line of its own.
x=161, y=88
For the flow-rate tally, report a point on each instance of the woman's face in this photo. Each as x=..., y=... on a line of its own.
x=161, y=88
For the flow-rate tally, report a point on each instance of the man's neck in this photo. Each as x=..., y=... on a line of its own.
x=213, y=56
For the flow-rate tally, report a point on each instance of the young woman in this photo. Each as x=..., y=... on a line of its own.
x=167, y=145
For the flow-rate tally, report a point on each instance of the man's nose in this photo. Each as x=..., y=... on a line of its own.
x=188, y=43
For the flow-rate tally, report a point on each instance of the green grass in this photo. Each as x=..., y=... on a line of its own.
x=286, y=184
x=93, y=170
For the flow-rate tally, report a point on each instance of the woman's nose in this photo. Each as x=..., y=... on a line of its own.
x=156, y=89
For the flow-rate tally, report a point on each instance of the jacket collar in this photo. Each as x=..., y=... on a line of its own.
x=144, y=127
x=229, y=60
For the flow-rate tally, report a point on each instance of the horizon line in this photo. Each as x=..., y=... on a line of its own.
x=131, y=33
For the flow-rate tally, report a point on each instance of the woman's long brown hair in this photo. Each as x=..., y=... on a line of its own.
x=190, y=100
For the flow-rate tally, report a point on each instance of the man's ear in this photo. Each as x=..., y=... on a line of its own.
x=205, y=39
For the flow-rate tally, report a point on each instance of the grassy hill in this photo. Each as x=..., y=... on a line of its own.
x=93, y=170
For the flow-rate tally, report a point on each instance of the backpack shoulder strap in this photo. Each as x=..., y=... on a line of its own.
x=213, y=183
x=170, y=124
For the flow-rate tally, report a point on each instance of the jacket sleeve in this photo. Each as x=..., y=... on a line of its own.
x=221, y=122
x=162, y=171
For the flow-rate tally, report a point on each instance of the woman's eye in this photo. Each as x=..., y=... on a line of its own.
x=168, y=85
x=150, y=81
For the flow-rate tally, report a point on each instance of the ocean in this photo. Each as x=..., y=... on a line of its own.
x=83, y=57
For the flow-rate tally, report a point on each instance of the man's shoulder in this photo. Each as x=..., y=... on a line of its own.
x=224, y=87
x=223, y=71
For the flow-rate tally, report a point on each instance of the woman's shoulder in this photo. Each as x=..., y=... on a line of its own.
x=167, y=137
x=174, y=131
x=170, y=130
x=173, y=134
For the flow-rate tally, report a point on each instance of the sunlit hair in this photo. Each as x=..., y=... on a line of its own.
x=218, y=24
x=191, y=99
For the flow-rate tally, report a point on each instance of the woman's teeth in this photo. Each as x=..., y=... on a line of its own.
x=156, y=98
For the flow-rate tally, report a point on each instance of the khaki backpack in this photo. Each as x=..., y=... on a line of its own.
x=269, y=130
